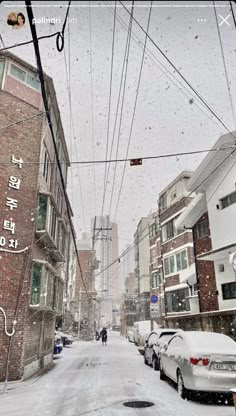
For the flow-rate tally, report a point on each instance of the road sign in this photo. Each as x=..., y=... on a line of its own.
x=154, y=299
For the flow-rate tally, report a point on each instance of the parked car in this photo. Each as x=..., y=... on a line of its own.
x=199, y=361
x=141, y=330
x=66, y=338
x=154, y=343
x=58, y=344
x=130, y=335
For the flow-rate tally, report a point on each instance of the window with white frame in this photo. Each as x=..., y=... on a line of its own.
x=163, y=202
x=176, y=262
x=228, y=200
x=46, y=166
x=152, y=230
x=46, y=288
x=25, y=77
x=202, y=229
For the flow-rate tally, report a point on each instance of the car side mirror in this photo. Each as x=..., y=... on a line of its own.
x=165, y=346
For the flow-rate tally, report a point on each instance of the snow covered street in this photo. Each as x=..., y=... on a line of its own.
x=91, y=379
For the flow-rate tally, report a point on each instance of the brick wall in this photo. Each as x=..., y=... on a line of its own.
x=176, y=207
x=176, y=242
x=205, y=270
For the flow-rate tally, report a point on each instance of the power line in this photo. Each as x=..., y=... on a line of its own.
x=134, y=110
x=73, y=130
x=92, y=109
x=122, y=103
x=45, y=101
x=232, y=11
x=22, y=121
x=225, y=67
x=180, y=74
x=167, y=155
x=162, y=67
x=109, y=104
x=118, y=103
x=29, y=41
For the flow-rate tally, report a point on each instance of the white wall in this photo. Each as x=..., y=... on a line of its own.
x=221, y=278
x=222, y=221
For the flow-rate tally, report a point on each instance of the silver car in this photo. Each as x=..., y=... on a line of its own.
x=154, y=343
x=199, y=361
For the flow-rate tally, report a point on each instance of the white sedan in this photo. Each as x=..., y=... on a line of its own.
x=199, y=361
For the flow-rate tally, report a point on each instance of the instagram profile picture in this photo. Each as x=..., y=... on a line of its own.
x=16, y=20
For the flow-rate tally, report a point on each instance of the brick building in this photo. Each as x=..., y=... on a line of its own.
x=86, y=301
x=34, y=220
x=180, y=280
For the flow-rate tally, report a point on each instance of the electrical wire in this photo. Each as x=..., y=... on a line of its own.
x=122, y=104
x=163, y=156
x=92, y=109
x=73, y=130
x=180, y=74
x=118, y=102
x=44, y=96
x=109, y=105
x=232, y=11
x=134, y=110
x=29, y=42
x=165, y=71
x=225, y=67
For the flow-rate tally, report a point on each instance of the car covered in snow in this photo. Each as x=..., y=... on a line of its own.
x=141, y=331
x=130, y=335
x=199, y=361
x=154, y=343
x=66, y=338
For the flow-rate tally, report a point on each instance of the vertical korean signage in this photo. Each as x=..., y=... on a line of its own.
x=8, y=241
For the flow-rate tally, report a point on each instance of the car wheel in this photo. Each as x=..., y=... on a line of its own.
x=183, y=392
x=145, y=360
x=155, y=364
x=162, y=374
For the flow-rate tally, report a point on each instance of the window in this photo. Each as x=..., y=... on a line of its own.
x=46, y=166
x=202, y=229
x=53, y=223
x=18, y=73
x=176, y=301
x=59, y=199
x=229, y=290
x=176, y=342
x=42, y=212
x=46, y=288
x=36, y=284
x=152, y=230
x=168, y=231
x=163, y=202
x=155, y=279
x=26, y=77
x=1, y=71
x=228, y=200
x=221, y=268
x=33, y=82
x=176, y=262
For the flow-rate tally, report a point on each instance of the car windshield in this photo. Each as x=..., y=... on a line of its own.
x=117, y=207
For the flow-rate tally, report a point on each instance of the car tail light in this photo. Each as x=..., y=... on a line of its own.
x=199, y=361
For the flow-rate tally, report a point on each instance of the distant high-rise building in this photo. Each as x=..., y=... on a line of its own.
x=107, y=282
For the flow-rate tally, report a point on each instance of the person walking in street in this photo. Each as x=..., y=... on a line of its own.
x=103, y=335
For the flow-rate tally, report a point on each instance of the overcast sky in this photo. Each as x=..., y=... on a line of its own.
x=167, y=120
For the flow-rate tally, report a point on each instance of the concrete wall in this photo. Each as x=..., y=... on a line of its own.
x=221, y=321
